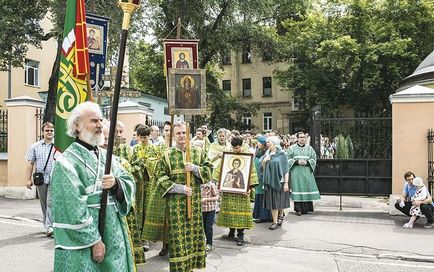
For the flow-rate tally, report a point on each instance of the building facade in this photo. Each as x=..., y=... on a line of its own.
x=249, y=76
x=32, y=78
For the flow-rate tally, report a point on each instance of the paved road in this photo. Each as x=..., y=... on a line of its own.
x=361, y=238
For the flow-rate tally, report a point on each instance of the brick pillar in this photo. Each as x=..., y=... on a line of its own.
x=21, y=135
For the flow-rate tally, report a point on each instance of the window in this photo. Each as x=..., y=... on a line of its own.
x=295, y=103
x=268, y=118
x=247, y=121
x=247, y=88
x=246, y=56
x=266, y=86
x=166, y=111
x=226, y=58
x=227, y=86
x=31, y=74
x=267, y=55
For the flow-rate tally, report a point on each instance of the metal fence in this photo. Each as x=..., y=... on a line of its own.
x=3, y=131
x=430, y=137
x=39, y=119
x=369, y=136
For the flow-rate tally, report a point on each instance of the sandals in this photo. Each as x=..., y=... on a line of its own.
x=273, y=226
x=280, y=220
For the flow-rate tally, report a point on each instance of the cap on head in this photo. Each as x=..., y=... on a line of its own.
x=418, y=181
x=262, y=139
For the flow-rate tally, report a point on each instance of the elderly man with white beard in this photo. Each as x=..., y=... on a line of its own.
x=77, y=182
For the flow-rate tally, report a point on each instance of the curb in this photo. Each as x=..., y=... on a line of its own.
x=19, y=218
x=401, y=257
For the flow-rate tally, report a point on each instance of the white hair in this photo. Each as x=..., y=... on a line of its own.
x=74, y=118
x=120, y=124
x=275, y=140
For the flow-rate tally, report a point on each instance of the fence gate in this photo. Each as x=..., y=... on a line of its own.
x=361, y=163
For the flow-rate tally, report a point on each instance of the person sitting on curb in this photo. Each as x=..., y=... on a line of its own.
x=420, y=195
x=405, y=203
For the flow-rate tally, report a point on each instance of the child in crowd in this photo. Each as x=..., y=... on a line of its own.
x=420, y=195
x=210, y=197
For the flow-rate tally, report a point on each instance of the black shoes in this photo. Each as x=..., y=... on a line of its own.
x=241, y=241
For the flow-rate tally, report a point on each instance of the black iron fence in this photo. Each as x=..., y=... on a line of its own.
x=3, y=131
x=39, y=119
x=362, y=153
x=430, y=137
x=364, y=136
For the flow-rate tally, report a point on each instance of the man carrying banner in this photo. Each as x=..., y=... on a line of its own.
x=77, y=182
x=186, y=238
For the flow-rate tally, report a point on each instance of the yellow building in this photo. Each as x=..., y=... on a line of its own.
x=33, y=77
x=250, y=76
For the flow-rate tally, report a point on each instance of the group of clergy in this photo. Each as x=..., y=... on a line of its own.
x=159, y=211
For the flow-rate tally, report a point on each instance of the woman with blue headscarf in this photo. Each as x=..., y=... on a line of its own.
x=276, y=177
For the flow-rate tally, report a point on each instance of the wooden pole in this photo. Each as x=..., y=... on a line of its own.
x=188, y=160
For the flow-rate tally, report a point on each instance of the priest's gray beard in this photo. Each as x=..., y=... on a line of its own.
x=92, y=138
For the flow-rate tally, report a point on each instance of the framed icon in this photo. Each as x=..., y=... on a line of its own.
x=181, y=54
x=235, y=172
x=187, y=91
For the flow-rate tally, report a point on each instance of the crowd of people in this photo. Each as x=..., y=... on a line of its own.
x=167, y=188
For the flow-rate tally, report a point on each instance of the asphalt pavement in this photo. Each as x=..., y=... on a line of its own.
x=362, y=237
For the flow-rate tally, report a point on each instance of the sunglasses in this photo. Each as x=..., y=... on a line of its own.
x=48, y=130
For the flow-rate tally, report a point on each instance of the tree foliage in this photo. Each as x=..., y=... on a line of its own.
x=220, y=26
x=19, y=28
x=354, y=52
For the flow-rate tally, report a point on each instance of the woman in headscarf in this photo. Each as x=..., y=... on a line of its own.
x=260, y=214
x=276, y=177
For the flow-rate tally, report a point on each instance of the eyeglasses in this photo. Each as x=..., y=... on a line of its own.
x=48, y=130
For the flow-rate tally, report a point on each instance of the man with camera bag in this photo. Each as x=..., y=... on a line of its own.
x=40, y=158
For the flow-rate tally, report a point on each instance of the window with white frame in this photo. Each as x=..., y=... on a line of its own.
x=31, y=74
x=268, y=119
x=247, y=121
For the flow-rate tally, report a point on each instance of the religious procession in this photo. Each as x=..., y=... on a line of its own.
x=169, y=132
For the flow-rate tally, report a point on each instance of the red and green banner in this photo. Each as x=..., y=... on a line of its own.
x=74, y=66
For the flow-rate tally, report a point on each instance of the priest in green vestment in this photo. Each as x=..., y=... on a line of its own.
x=302, y=163
x=77, y=182
x=143, y=162
x=156, y=223
x=186, y=237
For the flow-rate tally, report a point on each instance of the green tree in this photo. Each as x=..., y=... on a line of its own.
x=147, y=73
x=354, y=52
x=19, y=29
x=220, y=27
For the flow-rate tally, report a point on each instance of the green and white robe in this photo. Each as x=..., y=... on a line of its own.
x=186, y=237
x=303, y=184
x=76, y=193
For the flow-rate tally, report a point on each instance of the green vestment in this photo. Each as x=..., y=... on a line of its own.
x=235, y=210
x=143, y=162
x=303, y=185
x=76, y=193
x=155, y=220
x=186, y=237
